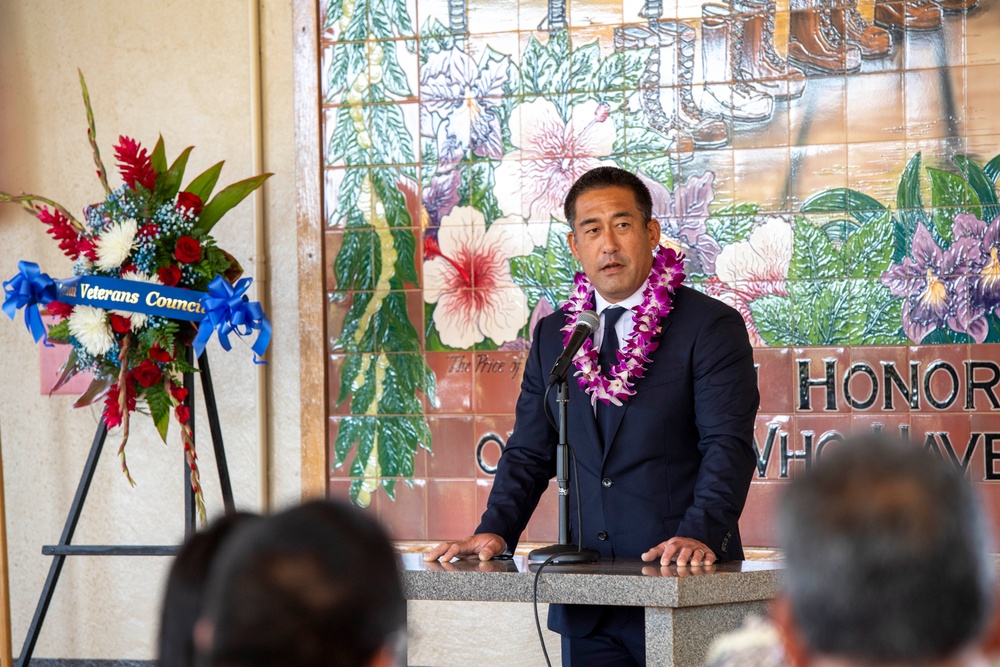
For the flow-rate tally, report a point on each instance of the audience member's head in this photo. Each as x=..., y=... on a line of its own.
x=315, y=585
x=182, y=600
x=887, y=559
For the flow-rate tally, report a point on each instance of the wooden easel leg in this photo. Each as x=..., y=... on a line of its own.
x=67, y=535
x=6, y=643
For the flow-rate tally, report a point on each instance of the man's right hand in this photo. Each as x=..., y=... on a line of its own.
x=484, y=545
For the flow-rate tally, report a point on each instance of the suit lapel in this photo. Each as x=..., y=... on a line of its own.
x=618, y=413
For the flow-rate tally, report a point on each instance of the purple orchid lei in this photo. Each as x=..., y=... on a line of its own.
x=657, y=302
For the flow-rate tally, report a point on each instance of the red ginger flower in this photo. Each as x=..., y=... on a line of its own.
x=135, y=165
x=59, y=309
x=112, y=411
x=60, y=228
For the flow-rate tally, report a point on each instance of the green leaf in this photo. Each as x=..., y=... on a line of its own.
x=352, y=266
x=349, y=371
x=821, y=311
x=992, y=169
x=732, y=224
x=537, y=68
x=158, y=159
x=404, y=375
x=981, y=185
x=838, y=231
x=867, y=252
x=392, y=143
x=204, y=183
x=844, y=200
x=395, y=331
x=813, y=256
x=909, y=205
x=876, y=315
x=585, y=64
x=348, y=340
x=477, y=188
x=350, y=431
x=169, y=183
x=951, y=195
x=773, y=317
x=59, y=333
x=227, y=199
x=640, y=140
x=159, y=404
x=393, y=77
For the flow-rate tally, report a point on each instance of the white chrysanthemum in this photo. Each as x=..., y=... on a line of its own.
x=116, y=244
x=138, y=320
x=90, y=326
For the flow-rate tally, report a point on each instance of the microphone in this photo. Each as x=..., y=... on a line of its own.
x=586, y=323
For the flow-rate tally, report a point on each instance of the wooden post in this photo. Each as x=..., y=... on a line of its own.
x=6, y=656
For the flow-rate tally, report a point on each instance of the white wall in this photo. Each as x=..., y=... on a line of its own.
x=183, y=69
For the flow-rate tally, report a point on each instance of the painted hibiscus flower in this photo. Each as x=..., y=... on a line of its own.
x=459, y=101
x=467, y=274
x=683, y=216
x=754, y=268
x=936, y=296
x=532, y=181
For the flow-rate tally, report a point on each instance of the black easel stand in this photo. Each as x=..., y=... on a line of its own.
x=60, y=551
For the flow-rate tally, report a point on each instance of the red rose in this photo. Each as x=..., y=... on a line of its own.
x=187, y=250
x=169, y=275
x=149, y=230
x=121, y=325
x=147, y=373
x=180, y=394
x=157, y=353
x=182, y=413
x=189, y=201
x=59, y=309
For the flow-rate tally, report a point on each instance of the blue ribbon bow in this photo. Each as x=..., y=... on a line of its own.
x=229, y=310
x=27, y=289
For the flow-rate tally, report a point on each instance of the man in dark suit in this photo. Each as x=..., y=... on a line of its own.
x=663, y=476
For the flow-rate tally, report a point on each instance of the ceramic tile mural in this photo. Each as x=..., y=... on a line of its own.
x=827, y=167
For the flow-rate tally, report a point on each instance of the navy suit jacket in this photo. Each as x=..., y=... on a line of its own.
x=681, y=459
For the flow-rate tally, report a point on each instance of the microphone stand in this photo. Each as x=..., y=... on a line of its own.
x=565, y=551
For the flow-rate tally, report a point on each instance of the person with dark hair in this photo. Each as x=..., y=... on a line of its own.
x=184, y=594
x=314, y=586
x=661, y=415
x=888, y=562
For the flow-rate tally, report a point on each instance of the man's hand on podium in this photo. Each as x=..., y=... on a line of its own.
x=683, y=550
x=484, y=545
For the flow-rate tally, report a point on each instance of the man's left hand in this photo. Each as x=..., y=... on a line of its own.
x=683, y=550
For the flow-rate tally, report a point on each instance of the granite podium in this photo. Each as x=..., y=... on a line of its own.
x=685, y=607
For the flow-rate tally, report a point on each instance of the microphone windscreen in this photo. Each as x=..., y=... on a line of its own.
x=589, y=319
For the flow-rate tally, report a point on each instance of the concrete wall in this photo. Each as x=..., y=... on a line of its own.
x=183, y=69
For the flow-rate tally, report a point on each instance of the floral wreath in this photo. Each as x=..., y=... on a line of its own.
x=657, y=302
x=149, y=282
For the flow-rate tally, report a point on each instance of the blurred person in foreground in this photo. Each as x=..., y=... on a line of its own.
x=888, y=564
x=185, y=590
x=317, y=585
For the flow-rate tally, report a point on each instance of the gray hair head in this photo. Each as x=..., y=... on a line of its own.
x=887, y=555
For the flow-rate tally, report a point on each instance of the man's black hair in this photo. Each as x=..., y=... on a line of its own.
x=609, y=177
x=887, y=555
